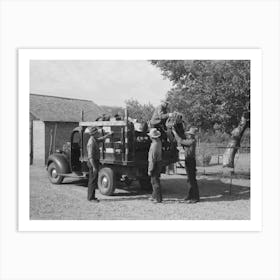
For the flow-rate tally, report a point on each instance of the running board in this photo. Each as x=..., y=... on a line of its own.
x=73, y=175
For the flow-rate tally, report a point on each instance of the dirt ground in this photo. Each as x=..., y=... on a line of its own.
x=68, y=200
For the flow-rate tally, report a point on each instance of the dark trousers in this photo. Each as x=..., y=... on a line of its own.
x=92, y=179
x=155, y=181
x=190, y=165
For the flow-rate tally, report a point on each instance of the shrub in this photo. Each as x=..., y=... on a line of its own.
x=204, y=155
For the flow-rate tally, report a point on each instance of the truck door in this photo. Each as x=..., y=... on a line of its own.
x=76, y=141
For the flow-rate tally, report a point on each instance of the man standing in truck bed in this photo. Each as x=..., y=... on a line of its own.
x=93, y=160
x=160, y=115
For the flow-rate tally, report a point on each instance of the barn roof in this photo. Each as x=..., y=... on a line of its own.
x=53, y=108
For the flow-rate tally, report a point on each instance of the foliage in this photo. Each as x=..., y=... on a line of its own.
x=141, y=112
x=217, y=137
x=204, y=154
x=208, y=92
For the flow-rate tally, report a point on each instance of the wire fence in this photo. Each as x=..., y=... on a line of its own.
x=210, y=162
x=213, y=165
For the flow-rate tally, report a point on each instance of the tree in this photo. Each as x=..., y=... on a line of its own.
x=209, y=93
x=234, y=143
x=141, y=112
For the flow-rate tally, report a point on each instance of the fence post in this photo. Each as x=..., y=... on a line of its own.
x=203, y=160
x=126, y=134
x=230, y=186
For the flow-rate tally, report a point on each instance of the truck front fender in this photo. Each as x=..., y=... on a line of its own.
x=61, y=162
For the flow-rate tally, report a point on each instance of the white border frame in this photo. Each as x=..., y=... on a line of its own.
x=25, y=224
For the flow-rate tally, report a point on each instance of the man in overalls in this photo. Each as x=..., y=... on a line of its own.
x=189, y=146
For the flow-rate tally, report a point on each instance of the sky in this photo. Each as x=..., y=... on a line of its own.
x=104, y=82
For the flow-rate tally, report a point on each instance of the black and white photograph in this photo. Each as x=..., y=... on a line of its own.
x=140, y=139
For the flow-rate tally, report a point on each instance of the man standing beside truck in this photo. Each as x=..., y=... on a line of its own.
x=154, y=168
x=189, y=146
x=93, y=160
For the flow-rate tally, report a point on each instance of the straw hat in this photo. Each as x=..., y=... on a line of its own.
x=91, y=130
x=154, y=133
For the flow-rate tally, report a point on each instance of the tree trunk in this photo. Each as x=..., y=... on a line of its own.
x=234, y=143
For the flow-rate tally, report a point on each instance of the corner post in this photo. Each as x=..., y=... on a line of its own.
x=126, y=134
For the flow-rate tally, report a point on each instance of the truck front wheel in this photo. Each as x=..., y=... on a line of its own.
x=106, y=181
x=53, y=175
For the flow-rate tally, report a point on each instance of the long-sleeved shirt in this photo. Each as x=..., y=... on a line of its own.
x=155, y=156
x=160, y=114
x=93, y=147
x=189, y=146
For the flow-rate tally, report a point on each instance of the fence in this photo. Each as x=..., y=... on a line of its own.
x=210, y=157
x=213, y=165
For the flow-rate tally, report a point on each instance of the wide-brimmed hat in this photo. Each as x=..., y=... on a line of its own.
x=154, y=133
x=192, y=131
x=91, y=130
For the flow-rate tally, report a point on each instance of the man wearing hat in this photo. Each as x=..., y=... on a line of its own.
x=93, y=160
x=160, y=115
x=189, y=146
x=154, y=168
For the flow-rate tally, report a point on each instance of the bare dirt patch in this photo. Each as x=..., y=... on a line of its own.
x=68, y=200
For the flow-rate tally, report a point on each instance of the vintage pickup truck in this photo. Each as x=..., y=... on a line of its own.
x=123, y=156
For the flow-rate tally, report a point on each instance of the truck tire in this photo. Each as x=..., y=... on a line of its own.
x=106, y=181
x=52, y=174
x=145, y=183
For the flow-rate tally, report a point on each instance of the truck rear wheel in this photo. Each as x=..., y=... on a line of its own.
x=53, y=175
x=145, y=183
x=106, y=181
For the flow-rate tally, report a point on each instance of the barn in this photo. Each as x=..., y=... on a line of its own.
x=51, y=121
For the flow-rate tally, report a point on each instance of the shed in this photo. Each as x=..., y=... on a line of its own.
x=52, y=120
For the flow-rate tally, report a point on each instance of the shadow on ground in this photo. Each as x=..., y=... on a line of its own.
x=175, y=190
x=218, y=190
x=211, y=190
x=80, y=183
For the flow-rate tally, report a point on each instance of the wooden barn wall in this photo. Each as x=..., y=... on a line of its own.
x=38, y=142
x=30, y=141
